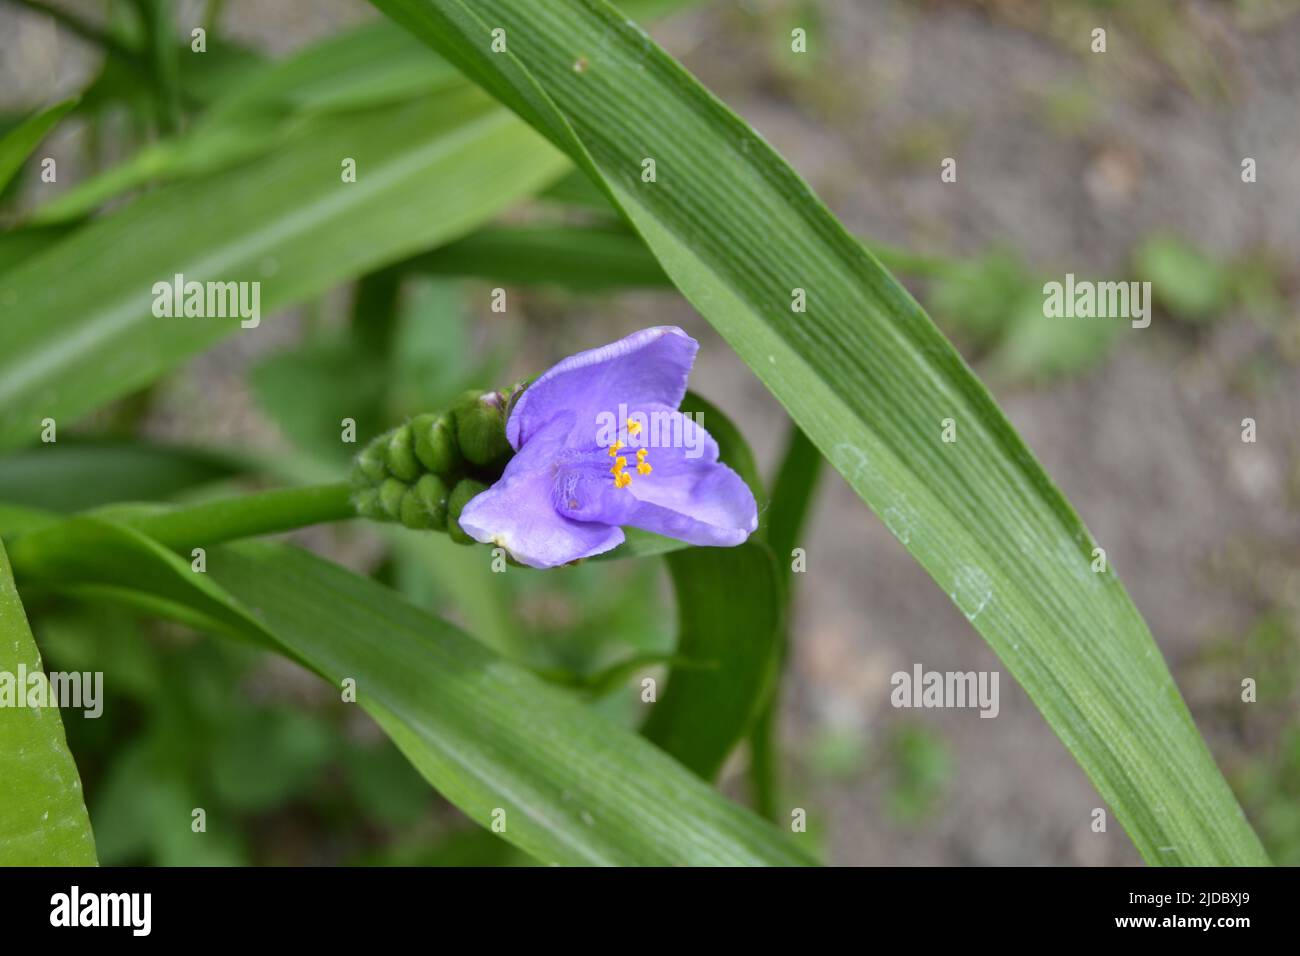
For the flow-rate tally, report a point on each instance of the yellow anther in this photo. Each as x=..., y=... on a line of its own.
x=622, y=479
x=643, y=469
x=613, y=449
x=619, y=464
x=641, y=453
x=633, y=427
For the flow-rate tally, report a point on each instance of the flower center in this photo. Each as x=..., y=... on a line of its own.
x=621, y=478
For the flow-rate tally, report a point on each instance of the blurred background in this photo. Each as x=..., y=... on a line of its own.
x=1117, y=165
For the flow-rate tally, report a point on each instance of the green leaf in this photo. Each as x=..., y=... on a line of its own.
x=486, y=733
x=43, y=820
x=575, y=790
x=262, y=104
x=594, y=257
x=373, y=66
x=370, y=66
x=207, y=149
x=20, y=244
x=427, y=173
x=730, y=609
x=431, y=571
x=731, y=613
x=792, y=496
x=1185, y=280
x=865, y=373
x=585, y=260
x=19, y=142
x=159, y=27
x=73, y=476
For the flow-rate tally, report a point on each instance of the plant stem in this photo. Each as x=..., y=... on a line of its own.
x=792, y=495
x=212, y=16
x=264, y=512
x=764, y=771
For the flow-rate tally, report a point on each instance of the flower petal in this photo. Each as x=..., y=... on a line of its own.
x=688, y=495
x=648, y=367
x=518, y=512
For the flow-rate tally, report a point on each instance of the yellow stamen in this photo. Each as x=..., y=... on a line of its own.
x=621, y=478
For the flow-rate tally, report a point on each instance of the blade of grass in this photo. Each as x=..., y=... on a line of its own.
x=582, y=259
x=792, y=497
x=164, y=61
x=489, y=735
x=19, y=142
x=28, y=241
x=73, y=476
x=594, y=258
x=263, y=106
x=427, y=173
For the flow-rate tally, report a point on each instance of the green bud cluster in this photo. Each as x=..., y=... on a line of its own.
x=423, y=473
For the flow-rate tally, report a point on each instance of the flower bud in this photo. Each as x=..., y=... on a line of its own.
x=390, y=497
x=370, y=465
x=465, y=489
x=366, y=501
x=435, y=443
x=481, y=428
x=411, y=513
x=432, y=494
x=400, y=455
x=418, y=473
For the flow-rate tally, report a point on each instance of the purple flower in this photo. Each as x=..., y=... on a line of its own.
x=601, y=445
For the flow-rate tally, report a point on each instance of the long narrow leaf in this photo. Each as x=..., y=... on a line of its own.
x=730, y=610
x=69, y=476
x=43, y=819
x=18, y=143
x=76, y=323
x=792, y=495
x=488, y=735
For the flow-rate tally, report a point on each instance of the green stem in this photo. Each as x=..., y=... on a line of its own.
x=792, y=495
x=764, y=771
x=212, y=17
x=228, y=519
